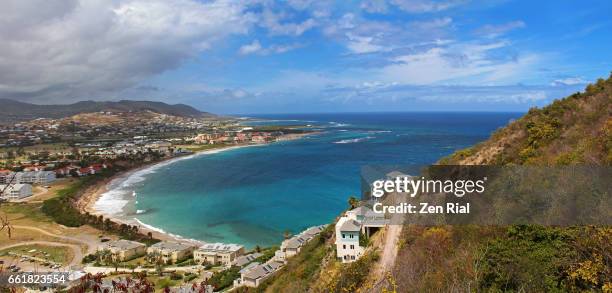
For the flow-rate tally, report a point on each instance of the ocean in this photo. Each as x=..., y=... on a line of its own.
x=252, y=195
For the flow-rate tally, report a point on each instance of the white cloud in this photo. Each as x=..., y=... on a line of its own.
x=465, y=62
x=273, y=22
x=374, y=6
x=256, y=48
x=90, y=48
x=492, y=31
x=568, y=81
x=251, y=48
x=421, y=6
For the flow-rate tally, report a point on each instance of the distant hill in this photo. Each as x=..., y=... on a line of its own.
x=14, y=111
x=573, y=130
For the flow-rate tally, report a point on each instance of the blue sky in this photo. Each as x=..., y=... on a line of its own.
x=306, y=56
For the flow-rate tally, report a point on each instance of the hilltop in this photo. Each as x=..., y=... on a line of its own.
x=576, y=130
x=14, y=111
x=573, y=130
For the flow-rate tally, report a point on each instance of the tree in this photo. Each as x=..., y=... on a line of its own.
x=353, y=202
x=287, y=234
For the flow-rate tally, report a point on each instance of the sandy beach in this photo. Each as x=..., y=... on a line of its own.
x=92, y=194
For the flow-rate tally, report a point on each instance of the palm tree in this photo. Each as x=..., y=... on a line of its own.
x=353, y=201
x=287, y=234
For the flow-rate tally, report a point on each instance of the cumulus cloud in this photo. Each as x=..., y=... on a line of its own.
x=493, y=31
x=89, y=48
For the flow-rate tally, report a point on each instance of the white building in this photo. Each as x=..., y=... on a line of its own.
x=171, y=252
x=347, y=240
x=15, y=191
x=30, y=177
x=123, y=250
x=217, y=253
x=354, y=224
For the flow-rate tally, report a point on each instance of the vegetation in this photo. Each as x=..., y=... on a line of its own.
x=521, y=258
x=573, y=130
x=57, y=254
x=518, y=258
x=62, y=209
x=301, y=270
x=225, y=278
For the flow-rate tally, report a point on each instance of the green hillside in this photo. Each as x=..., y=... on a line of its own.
x=573, y=130
x=522, y=258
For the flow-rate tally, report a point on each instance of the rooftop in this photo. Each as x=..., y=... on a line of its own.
x=221, y=247
x=350, y=225
x=123, y=244
x=173, y=246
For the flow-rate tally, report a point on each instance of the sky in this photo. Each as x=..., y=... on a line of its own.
x=297, y=56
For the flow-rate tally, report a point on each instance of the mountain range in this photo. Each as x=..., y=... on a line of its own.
x=15, y=111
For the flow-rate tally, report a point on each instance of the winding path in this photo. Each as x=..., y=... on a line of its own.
x=76, y=248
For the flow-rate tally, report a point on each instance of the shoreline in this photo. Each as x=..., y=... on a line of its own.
x=92, y=195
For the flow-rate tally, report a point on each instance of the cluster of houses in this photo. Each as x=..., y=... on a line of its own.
x=98, y=124
x=81, y=171
x=140, y=144
x=218, y=254
x=18, y=185
x=253, y=274
x=243, y=135
x=168, y=252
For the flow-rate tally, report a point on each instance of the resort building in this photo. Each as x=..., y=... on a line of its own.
x=123, y=250
x=15, y=191
x=293, y=245
x=245, y=259
x=171, y=252
x=217, y=253
x=356, y=223
x=254, y=274
x=28, y=177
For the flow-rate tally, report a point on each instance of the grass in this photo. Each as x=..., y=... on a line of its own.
x=31, y=211
x=58, y=254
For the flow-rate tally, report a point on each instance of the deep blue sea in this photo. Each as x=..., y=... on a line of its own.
x=252, y=195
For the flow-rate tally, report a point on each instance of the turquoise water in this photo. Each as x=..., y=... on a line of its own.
x=252, y=195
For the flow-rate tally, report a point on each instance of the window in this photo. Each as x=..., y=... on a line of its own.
x=352, y=257
x=351, y=236
x=343, y=236
x=343, y=246
x=352, y=246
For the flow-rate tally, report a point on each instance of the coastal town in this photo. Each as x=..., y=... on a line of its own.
x=57, y=167
x=53, y=171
